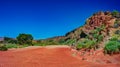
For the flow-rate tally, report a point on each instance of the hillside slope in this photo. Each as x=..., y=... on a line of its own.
x=99, y=36
x=100, y=29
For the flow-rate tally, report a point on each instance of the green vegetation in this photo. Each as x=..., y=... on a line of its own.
x=86, y=44
x=49, y=42
x=61, y=41
x=113, y=46
x=11, y=45
x=40, y=43
x=25, y=39
x=70, y=41
x=115, y=13
x=96, y=33
x=3, y=48
x=90, y=40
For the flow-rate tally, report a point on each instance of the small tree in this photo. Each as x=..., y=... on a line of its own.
x=25, y=39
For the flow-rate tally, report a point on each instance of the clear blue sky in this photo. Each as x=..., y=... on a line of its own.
x=48, y=18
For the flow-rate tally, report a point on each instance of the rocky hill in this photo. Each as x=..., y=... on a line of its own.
x=98, y=30
x=97, y=20
x=109, y=21
x=99, y=35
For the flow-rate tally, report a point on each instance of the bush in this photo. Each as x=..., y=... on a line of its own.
x=112, y=47
x=80, y=45
x=70, y=41
x=11, y=45
x=22, y=46
x=114, y=38
x=100, y=38
x=90, y=44
x=51, y=42
x=3, y=48
x=87, y=44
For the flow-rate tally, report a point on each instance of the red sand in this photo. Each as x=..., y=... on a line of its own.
x=44, y=57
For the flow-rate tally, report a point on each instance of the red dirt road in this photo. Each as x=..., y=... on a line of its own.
x=44, y=57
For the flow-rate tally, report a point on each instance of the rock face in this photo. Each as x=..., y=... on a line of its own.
x=95, y=21
x=98, y=19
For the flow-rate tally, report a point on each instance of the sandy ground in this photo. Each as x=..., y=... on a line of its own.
x=49, y=56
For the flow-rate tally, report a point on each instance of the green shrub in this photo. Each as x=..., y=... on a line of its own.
x=3, y=48
x=114, y=38
x=87, y=44
x=100, y=38
x=112, y=47
x=70, y=41
x=37, y=44
x=40, y=43
x=11, y=45
x=80, y=45
x=99, y=29
x=51, y=42
x=25, y=45
x=95, y=36
x=94, y=32
x=90, y=44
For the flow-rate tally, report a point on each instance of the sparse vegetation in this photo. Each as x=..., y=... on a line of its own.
x=70, y=41
x=61, y=41
x=87, y=44
x=3, y=48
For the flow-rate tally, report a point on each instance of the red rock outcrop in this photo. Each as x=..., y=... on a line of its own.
x=100, y=18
